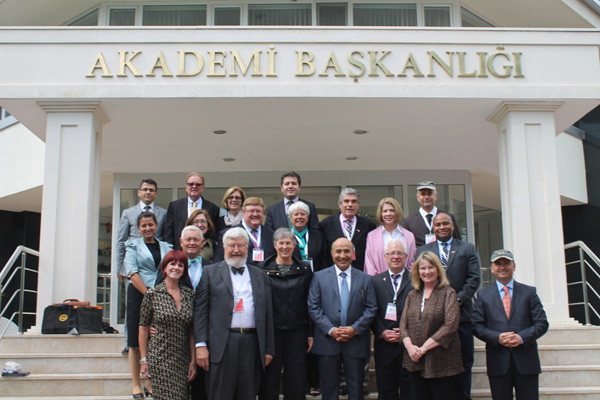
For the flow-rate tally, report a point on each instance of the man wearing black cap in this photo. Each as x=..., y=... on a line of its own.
x=421, y=223
x=509, y=317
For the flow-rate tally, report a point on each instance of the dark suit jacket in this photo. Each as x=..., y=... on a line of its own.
x=266, y=243
x=332, y=231
x=317, y=249
x=324, y=309
x=177, y=215
x=213, y=310
x=277, y=218
x=384, y=292
x=416, y=225
x=463, y=270
x=527, y=319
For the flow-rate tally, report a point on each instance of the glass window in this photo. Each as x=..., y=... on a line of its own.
x=332, y=14
x=370, y=196
x=385, y=14
x=471, y=20
x=437, y=16
x=180, y=15
x=122, y=17
x=89, y=19
x=279, y=14
x=227, y=16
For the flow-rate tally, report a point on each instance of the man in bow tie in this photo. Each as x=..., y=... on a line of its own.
x=233, y=322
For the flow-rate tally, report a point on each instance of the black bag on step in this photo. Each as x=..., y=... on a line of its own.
x=59, y=319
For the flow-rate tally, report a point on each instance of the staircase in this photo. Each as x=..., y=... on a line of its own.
x=90, y=367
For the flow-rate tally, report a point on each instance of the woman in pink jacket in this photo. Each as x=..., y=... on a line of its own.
x=389, y=215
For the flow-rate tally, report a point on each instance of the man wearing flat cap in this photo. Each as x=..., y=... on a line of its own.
x=509, y=317
x=421, y=223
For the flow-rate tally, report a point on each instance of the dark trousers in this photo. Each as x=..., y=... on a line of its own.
x=290, y=354
x=237, y=376
x=198, y=386
x=433, y=388
x=330, y=368
x=390, y=376
x=312, y=371
x=467, y=349
x=526, y=386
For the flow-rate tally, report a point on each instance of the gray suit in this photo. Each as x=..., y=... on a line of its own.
x=213, y=312
x=324, y=309
x=128, y=229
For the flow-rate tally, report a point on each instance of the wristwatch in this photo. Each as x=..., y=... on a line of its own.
x=143, y=360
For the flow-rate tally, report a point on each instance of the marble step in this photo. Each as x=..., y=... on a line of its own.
x=565, y=354
x=68, y=363
x=553, y=376
x=27, y=343
x=63, y=385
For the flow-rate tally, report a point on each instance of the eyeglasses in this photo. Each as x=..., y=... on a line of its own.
x=234, y=198
x=395, y=254
x=236, y=246
x=203, y=222
x=192, y=184
x=147, y=190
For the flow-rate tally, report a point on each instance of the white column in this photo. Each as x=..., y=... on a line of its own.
x=531, y=213
x=70, y=206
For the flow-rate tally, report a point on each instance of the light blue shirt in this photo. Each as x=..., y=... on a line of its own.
x=195, y=273
x=501, y=288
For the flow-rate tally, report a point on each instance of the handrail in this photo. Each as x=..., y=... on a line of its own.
x=586, y=287
x=18, y=251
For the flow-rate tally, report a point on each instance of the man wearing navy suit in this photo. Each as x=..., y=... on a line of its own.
x=261, y=238
x=461, y=262
x=391, y=288
x=277, y=216
x=421, y=223
x=347, y=224
x=509, y=317
x=342, y=304
x=180, y=210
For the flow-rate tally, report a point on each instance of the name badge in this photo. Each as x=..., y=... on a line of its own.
x=430, y=237
x=258, y=255
x=238, y=304
x=390, y=312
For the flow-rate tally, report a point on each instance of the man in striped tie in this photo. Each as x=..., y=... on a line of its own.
x=509, y=317
x=461, y=262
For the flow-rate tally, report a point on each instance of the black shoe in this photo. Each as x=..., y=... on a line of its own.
x=125, y=350
x=343, y=391
x=138, y=396
x=365, y=390
x=147, y=393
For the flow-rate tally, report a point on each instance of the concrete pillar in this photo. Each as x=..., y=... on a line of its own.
x=531, y=213
x=70, y=205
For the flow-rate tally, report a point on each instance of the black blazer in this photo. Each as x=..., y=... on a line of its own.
x=317, y=250
x=277, y=218
x=266, y=242
x=527, y=319
x=463, y=271
x=332, y=231
x=416, y=225
x=384, y=292
x=177, y=215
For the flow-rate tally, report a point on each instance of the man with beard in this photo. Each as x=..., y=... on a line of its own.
x=233, y=322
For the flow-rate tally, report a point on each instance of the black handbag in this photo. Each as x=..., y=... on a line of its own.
x=59, y=319
x=89, y=320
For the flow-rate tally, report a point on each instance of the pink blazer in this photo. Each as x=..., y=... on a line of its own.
x=375, y=258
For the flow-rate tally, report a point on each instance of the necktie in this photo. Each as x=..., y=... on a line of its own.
x=239, y=270
x=429, y=219
x=146, y=208
x=193, y=206
x=395, y=280
x=506, y=301
x=349, y=228
x=344, y=299
x=287, y=216
x=289, y=203
x=444, y=259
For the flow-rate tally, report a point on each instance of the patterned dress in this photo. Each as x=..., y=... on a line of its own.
x=169, y=351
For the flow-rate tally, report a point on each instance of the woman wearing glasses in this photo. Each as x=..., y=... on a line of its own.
x=201, y=219
x=232, y=202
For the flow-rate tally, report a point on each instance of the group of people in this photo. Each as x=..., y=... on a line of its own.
x=250, y=298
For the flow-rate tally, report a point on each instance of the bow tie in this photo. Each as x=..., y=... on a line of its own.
x=238, y=270
x=197, y=260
